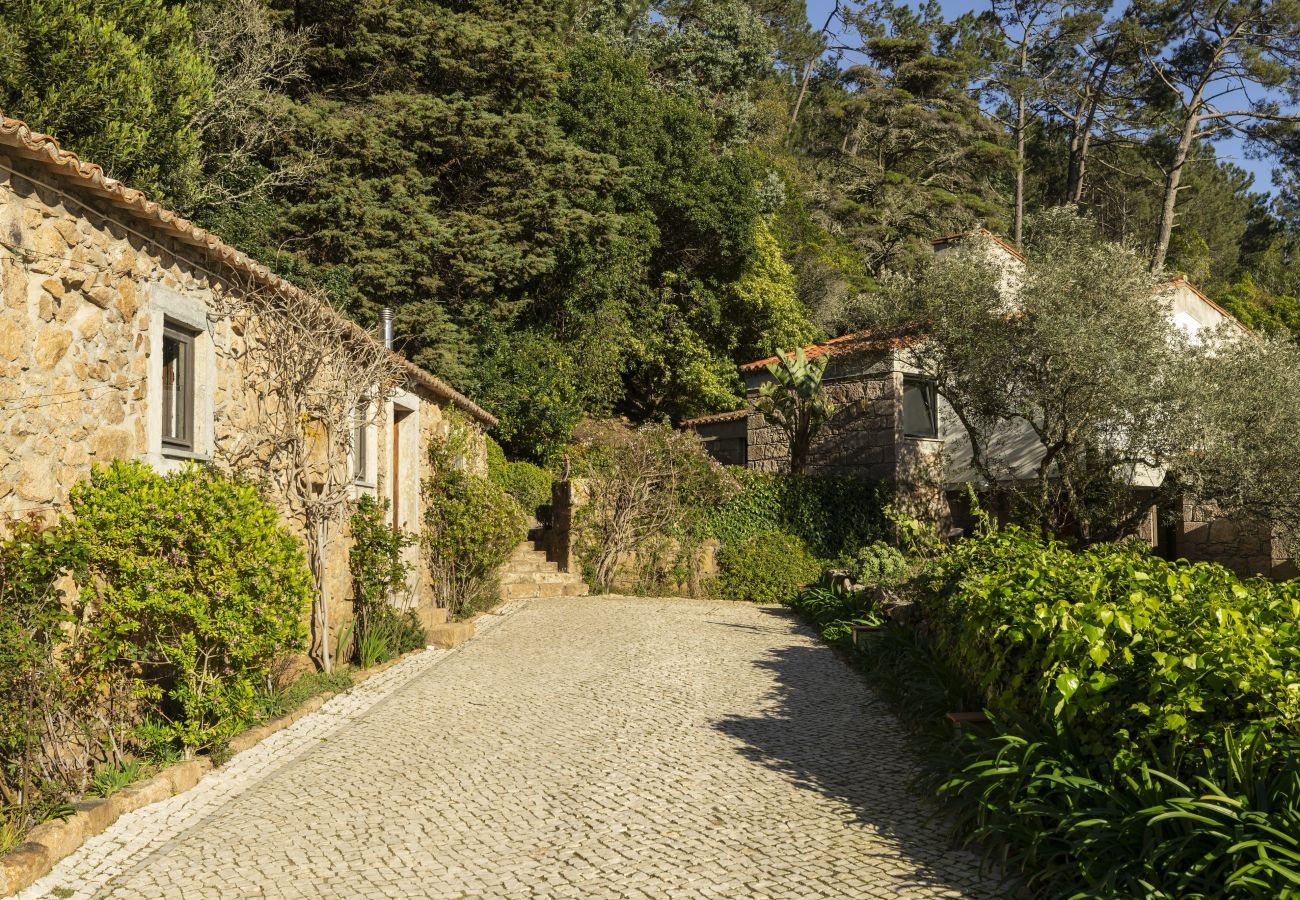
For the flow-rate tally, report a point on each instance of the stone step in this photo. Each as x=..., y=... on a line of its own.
x=525, y=591
x=510, y=576
x=529, y=557
x=529, y=565
x=450, y=634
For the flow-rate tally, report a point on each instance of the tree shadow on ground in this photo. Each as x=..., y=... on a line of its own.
x=827, y=731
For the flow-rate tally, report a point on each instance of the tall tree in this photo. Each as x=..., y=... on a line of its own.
x=117, y=81
x=1205, y=58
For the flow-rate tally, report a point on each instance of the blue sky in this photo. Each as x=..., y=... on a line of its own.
x=1230, y=149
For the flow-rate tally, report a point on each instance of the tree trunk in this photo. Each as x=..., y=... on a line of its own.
x=322, y=616
x=1172, y=181
x=798, y=103
x=1082, y=137
x=1017, y=230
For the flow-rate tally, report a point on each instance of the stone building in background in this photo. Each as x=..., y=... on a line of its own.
x=890, y=424
x=114, y=345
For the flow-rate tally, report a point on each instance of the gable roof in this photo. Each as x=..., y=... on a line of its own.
x=858, y=342
x=981, y=232
x=17, y=137
x=716, y=418
x=1180, y=281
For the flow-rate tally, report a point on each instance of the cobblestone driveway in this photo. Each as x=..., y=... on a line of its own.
x=586, y=747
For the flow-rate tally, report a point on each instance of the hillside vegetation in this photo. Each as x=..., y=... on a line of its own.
x=600, y=206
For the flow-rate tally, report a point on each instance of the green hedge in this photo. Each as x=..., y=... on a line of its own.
x=1125, y=652
x=765, y=568
x=529, y=484
x=830, y=514
x=1146, y=718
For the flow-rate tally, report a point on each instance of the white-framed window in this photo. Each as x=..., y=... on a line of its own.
x=177, y=406
x=180, y=401
x=361, y=471
x=920, y=408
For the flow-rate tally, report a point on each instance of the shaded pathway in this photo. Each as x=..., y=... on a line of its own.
x=584, y=747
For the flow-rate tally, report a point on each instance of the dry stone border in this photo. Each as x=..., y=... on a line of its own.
x=51, y=842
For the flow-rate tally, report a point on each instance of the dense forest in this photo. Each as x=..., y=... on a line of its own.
x=600, y=206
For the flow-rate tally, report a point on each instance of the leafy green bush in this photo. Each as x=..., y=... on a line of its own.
x=835, y=609
x=530, y=485
x=36, y=686
x=471, y=525
x=830, y=514
x=190, y=587
x=766, y=568
x=380, y=575
x=1125, y=653
x=879, y=563
x=1145, y=737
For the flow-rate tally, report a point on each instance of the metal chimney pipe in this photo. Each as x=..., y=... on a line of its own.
x=386, y=323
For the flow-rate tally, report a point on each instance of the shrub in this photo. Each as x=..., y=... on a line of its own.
x=471, y=526
x=530, y=485
x=879, y=563
x=643, y=485
x=830, y=514
x=380, y=575
x=768, y=568
x=41, y=758
x=834, y=609
x=1125, y=653
x=1144, y=716
x=189, y=587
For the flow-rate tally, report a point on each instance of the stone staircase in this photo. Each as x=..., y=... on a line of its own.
x=528, y=573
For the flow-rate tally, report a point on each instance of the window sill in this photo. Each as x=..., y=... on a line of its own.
x=922, y=440
x=182, y=453
x=366, y=485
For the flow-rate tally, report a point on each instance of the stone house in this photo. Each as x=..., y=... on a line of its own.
x=113, y=345
x=890, y=424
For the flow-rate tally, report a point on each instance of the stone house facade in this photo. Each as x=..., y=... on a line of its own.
x=891, y=425
x=109, y=302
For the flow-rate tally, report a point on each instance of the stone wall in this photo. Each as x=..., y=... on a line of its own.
x=84, y=289
x=862, y=436
x=1246, y=548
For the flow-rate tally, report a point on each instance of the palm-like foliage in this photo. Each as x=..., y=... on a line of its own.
x=794, y=401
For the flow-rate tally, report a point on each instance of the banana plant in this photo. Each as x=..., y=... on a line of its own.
x=793, y=400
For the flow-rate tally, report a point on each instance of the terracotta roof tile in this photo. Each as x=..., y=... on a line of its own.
x=715, y=418
x=22, y=140
x=857, y=342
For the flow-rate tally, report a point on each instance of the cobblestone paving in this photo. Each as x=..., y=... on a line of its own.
x=583, y=747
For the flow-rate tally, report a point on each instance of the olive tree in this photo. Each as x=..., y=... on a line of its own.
x=1066, y=372
x=1243, y=429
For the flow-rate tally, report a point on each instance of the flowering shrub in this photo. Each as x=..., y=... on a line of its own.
x=190, y=587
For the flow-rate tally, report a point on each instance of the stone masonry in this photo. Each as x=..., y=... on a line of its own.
x=88, y=271
x=584, y=747
x=859, y=439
